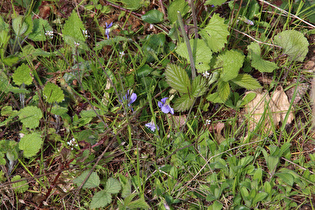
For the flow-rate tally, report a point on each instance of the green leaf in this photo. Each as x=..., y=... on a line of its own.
x=231, y=61
x=19, y=187
x=248, y=98
x=247, y=81
x=286, y=178
x=126, y=186
x=203, y=54
x=177, y=5
x=215, y=98
x=22, y=75
x=53, y=93
x=19, y=25
x=215, y=33
x=100, y=199
x=294, y=44
x=199, y=86
x=40, y=27
x=73, y=28
x=177, y=78
x=153, y=16
x=223, y=90
x=112, y=186
x=131, y=4
x=257, y=62
x=138, y=204
x=92, y=182
x=216, y=205
x=10, y=60
x=260, y=197
x=183, y=103
x=111, y=42
x=30, y=144
x=215, y=2
x=30, y=116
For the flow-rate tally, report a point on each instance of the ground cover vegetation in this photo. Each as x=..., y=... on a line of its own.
x=162, y=104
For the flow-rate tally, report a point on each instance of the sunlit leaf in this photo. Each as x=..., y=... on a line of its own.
x=294, y=44
x=22, y=75
x=247, y=81
x=178, y=78
x=92, y=182
x=30, y=116
x=30, y=144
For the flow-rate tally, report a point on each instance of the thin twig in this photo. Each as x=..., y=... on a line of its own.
x=285, y=12
x=259, y=42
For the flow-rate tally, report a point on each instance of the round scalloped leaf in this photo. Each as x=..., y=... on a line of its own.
x=30, y=116
x=22, y=75
x=21, y=186
x=53, y=93
x=153, y=16
x=112, y=186
x=30, y=144
x=294, y=44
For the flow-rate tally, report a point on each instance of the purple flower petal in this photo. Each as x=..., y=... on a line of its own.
x=165, y=109
x=152, y=126
x=164, y=100
x=160, y=104
x=133, y=98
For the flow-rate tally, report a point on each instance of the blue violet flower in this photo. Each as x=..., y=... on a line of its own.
x=152, y=126
x=165, y=108
x=129, y=98
x=107, y=29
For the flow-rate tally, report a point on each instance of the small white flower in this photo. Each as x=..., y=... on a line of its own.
x=208, y=122
x=50, y=34
x=85, y=33
x=206, y=74
x=121, y=54
x=72, y=143
x=76, y=43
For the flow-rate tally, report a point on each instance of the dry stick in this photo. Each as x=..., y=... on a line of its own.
x=285, y=12
x=305, y=169
x=252, y=38
x=162, y=7
x=182, y=28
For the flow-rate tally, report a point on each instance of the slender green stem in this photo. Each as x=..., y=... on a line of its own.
x=191, y=58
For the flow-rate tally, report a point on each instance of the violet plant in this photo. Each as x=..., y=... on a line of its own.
x=165, y=108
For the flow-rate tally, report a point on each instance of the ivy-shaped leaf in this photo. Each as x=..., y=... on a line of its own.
x=199, y=86
x=53, y=93
x=73, y=28
x=215, y=33
x=40, y=27
x=223, y=90
x=247, y=81
x=19, y=187
x=183, y=103
x=30, y=144
x=92, y=182
x=231, y=61
x=257, y=61
x=203, y=54
x=294, y=44
x=177, y=78
x=100, y=199
x=22, y=75
x=30, y=116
